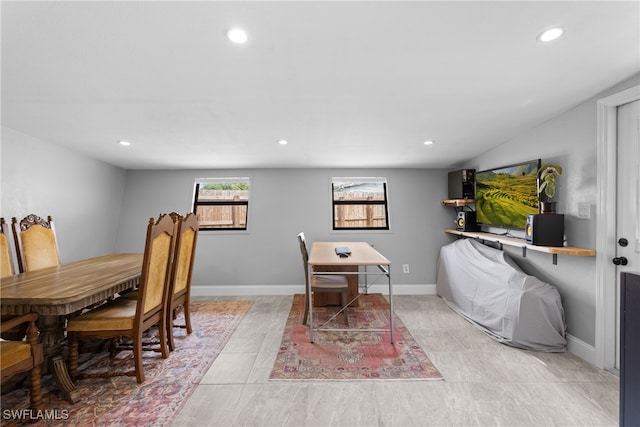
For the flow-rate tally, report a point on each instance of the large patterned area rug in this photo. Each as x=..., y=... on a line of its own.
x=352, y=355
x=120, y=400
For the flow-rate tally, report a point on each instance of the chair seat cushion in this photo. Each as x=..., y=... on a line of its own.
x=116, y=315
x=329, y=281
x=13, y=352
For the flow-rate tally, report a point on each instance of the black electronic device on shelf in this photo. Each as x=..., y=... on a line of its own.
x=466, y=221
x=462, y=184
x=545, y=229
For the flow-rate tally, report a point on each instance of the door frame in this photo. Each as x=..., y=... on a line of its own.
x=607, y=140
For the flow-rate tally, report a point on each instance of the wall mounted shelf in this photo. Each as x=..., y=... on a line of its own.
x=521, y=243
x=457, y=203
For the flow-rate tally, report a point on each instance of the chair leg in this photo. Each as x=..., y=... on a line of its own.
x=113, y=346
x=343, y=295
x=169, y=328
x=35, y=378
x=186, y=311
x=305, y=317
x=162, y=326
x=73, y=355
x=137, y=356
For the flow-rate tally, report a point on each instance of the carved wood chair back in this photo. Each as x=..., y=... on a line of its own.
x=6, y=270
x=35, y=242
x=6, y=263
x=181, y=272
x=156, y=268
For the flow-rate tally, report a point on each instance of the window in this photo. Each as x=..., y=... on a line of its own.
x=222, y=203
x=360, y=204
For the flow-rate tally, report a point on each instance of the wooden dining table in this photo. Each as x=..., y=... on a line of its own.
x=57, y=292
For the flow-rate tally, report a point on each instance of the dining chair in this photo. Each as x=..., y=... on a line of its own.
x=181, y=271
x=321, y=282
x=23, y=356
x=124, y=317
x=6, y=263
x=35, y=242
x=6, y=270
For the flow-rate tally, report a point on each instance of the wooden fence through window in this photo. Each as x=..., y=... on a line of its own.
x=359, y=215
x=227, y=212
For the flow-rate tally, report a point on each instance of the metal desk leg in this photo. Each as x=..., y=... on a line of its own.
x=310, y=301
x=390, y=304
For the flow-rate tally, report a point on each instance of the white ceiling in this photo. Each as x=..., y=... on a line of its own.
x=348, y=84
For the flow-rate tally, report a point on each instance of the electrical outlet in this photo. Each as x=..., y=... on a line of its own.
x=405, y=268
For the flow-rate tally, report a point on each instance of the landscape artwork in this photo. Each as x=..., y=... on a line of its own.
x=506, y=196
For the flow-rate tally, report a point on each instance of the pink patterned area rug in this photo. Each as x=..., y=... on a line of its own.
x=352, y=355
x=120, y=400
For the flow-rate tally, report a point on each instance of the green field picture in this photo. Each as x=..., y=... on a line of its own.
x=505, y=197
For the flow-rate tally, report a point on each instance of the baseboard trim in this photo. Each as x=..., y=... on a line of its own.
x=239, y=290
x=248, y=290
x=581, y=349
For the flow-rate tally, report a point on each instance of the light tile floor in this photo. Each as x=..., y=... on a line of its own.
x=485, y=383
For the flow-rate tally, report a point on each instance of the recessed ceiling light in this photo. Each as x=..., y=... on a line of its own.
x=124, y=143
x=550, y=35
x=283, y=142
x=429, y=142
x=237, y=35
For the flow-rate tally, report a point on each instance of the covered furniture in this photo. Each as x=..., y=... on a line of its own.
x=321, y=282
x=487, y=288
x=23, y=356
x=36, y=244
x=132, y=317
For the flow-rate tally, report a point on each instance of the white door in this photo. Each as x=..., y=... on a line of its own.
x=628, y=199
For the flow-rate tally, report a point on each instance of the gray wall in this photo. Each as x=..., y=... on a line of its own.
x=283, y=202
x=571, y=141
x=99, y=209
x=83, y=195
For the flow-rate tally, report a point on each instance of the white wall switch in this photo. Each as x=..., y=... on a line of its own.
x=584, y=211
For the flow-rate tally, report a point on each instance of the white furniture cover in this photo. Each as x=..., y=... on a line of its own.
x=486, y=287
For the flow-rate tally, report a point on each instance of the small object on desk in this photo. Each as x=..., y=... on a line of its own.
x=343, y=251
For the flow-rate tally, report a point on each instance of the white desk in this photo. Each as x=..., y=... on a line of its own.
x=362, y=254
